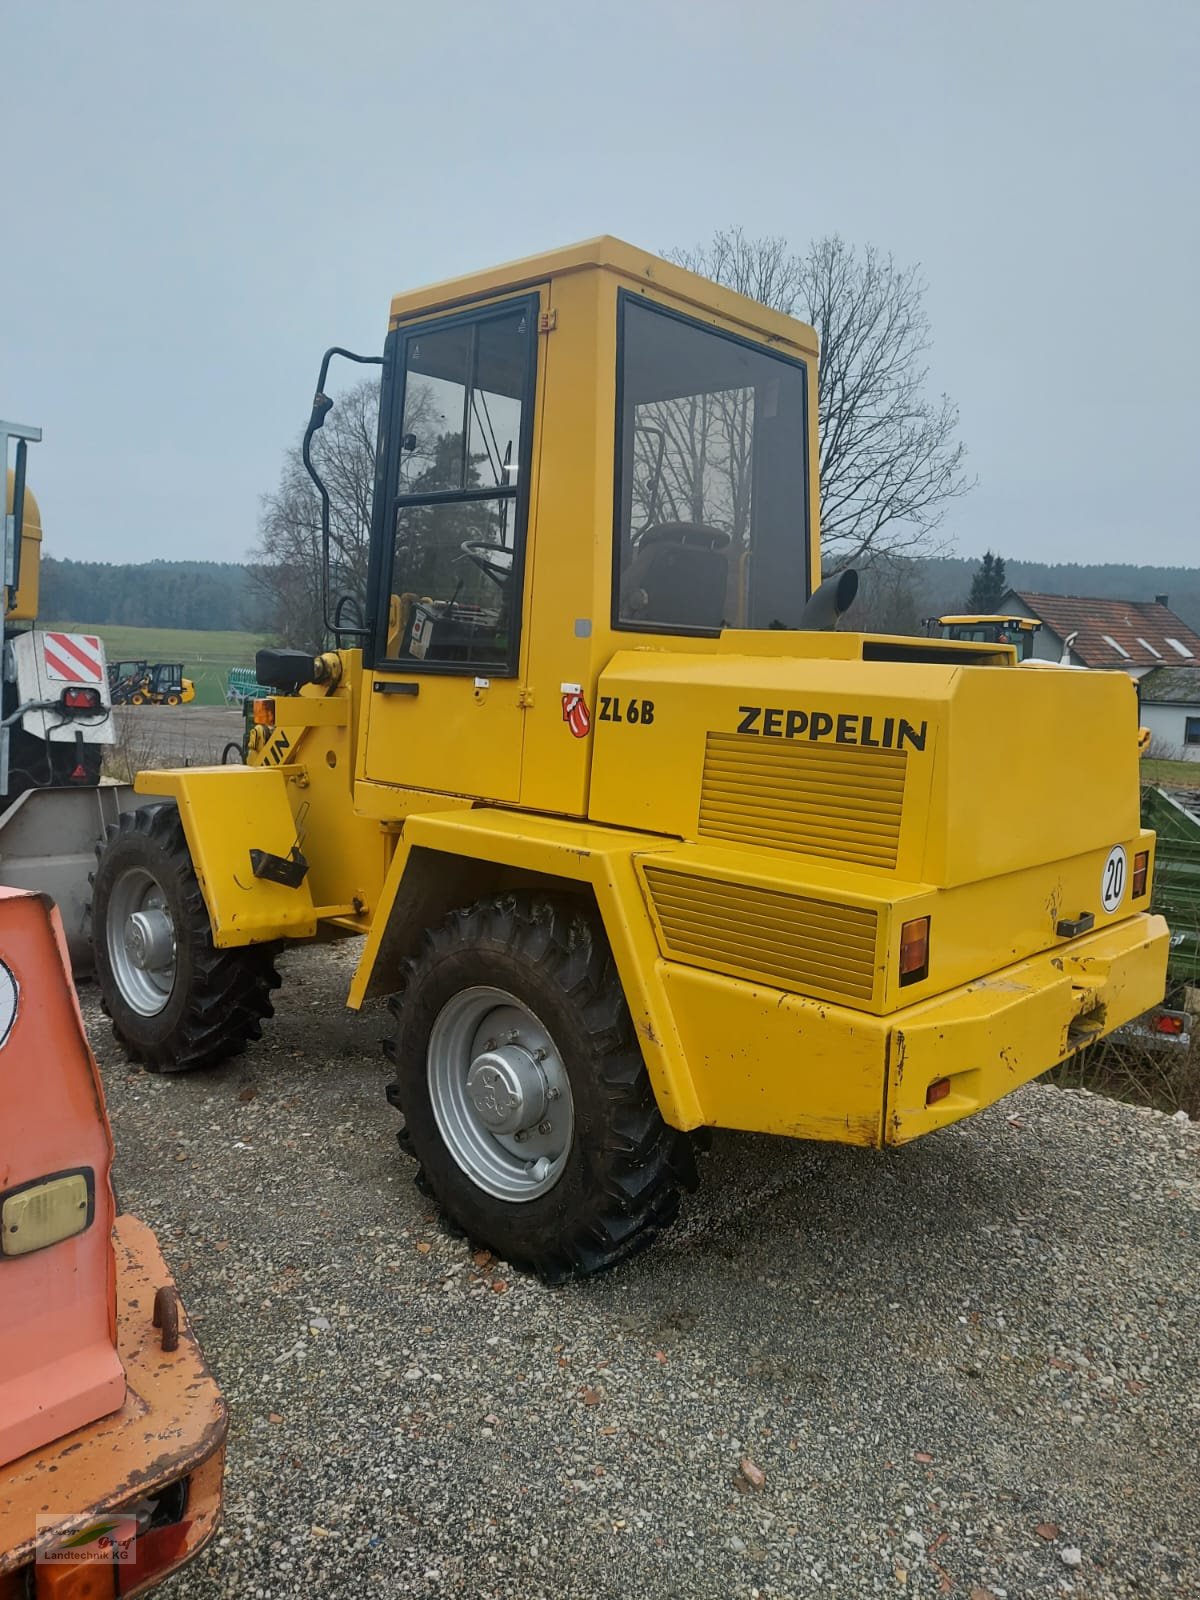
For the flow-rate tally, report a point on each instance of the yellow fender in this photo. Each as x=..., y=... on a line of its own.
x=603, y=859
x=226, y=813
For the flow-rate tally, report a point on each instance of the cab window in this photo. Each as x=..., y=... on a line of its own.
x=459, y=502
x=712, y=475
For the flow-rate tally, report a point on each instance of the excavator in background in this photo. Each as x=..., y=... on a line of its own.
x=112, y=1429
x=55, y=723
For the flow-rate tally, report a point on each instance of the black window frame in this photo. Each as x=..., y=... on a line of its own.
x=387, y=501
x=1188, y=724
x=625, y=298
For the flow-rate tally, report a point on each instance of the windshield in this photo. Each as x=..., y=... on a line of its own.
x=712, y=511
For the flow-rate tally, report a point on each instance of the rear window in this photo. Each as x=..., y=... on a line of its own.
x=712, y=478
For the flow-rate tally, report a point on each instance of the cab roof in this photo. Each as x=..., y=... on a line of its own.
x=607, y=254
x=975, y=618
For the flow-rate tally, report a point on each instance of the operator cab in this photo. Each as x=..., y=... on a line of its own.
x=167, y=679
x=579, y=454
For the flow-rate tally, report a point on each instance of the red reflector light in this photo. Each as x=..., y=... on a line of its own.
x=938, y=1090
x=1141, y=867
x=81, y=700
x=1168, y=1024
x=914, y=950
x=153, y=1553
x=264, y=713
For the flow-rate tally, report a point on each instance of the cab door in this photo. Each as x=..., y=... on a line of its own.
x=453, y=515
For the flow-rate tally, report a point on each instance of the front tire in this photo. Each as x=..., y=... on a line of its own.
x=525, y=1096
x=176, y=1002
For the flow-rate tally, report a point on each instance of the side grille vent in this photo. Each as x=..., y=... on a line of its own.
x=812, y=947
x=840, y=802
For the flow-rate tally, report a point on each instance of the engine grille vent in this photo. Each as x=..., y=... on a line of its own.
x=841, y=802
x=813, y=947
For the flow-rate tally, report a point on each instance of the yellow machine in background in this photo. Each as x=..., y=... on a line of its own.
x=636, y=842
x=1020, y=632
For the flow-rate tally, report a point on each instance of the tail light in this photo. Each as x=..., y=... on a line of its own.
x=264, y=713
x=938, y=1090
x=76, y=699
x=1141, y=870
x=914, y=950
x=1168, y=1022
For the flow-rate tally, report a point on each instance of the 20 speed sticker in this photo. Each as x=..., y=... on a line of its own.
x=1112, y=881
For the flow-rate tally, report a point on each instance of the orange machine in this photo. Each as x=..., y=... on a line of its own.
x=112, y=1430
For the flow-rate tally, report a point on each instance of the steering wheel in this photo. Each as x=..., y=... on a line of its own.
x=696, y=535
x=491, y=559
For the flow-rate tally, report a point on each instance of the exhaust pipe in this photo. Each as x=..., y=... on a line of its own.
x=828, y=602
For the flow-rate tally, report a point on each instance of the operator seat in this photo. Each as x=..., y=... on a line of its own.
x=677, y=577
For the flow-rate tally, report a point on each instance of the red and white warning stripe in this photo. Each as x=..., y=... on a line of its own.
x=73, y=657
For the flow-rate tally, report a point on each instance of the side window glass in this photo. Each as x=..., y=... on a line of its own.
x=435, y=403
x=459, y=508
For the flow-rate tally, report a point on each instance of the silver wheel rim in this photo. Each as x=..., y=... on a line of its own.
x=140, y=935
x=500, y=1094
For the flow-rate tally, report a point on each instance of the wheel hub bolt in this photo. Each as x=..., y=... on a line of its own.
x=544, y=1127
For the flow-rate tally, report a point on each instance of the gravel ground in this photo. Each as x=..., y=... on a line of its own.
x=964, y=1368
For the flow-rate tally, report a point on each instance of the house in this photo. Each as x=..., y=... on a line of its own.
x=1136, y=636
x=1170, y=700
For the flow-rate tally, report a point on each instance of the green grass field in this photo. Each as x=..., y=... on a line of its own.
x=1186, y=774
x=207, y=657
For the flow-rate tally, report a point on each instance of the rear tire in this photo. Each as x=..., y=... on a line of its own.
x=176, y=1002
x=524, y=991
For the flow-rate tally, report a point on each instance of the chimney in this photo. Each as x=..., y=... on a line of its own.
x=1162, y=599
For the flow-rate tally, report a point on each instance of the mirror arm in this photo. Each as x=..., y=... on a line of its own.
x=322, y=406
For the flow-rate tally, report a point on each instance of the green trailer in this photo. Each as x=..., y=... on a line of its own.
x=1177, y=884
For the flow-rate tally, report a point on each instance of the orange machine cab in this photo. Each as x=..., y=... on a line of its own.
x=101, y=1411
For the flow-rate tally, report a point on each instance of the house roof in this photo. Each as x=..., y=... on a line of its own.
x=1116, y=633
x=1171, y=686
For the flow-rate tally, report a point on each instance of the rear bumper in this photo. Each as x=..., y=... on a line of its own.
x=990, y=1036
x=171, y=1429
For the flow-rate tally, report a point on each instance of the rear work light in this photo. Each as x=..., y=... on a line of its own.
x=81, y=700
x=1141, y=870
x=264, y=713
x=914, y=950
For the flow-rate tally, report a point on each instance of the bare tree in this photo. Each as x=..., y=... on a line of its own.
x=890, y=462
x=288, y=559
x=887, y=599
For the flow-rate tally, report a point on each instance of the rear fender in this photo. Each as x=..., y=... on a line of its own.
x=451, y=858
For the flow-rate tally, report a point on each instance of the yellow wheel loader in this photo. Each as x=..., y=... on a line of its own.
x=636, y=841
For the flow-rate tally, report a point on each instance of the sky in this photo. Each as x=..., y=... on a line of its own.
x=199, y=198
